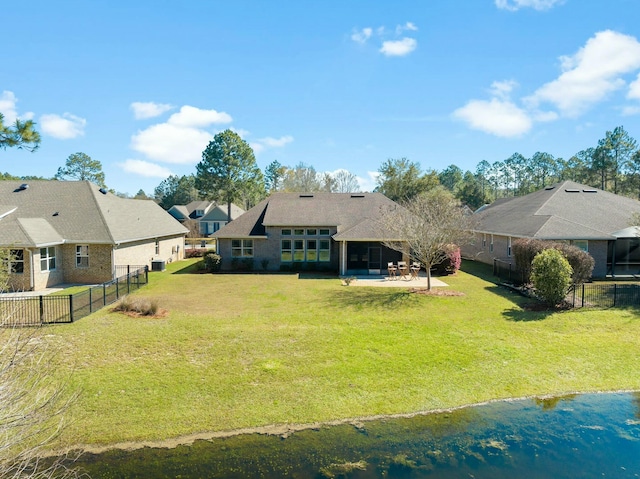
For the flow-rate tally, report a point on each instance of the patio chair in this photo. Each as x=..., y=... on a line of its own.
x=392, y=269
x=402, y=267
x=415, y=269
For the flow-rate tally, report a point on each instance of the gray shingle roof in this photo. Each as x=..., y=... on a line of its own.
x=566, y=210
x=342, y=210
x=50, y=212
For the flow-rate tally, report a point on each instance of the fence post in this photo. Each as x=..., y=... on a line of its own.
x=146, y=274
x=104, y=294
x=583, y=295
x=615, y=293
x=41, y=309
x=71, y=307
x=574, y=296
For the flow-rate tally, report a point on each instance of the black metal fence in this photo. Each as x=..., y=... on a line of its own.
x=605, y=295
x=601, y=295
x=507, y=272
x=50, y=309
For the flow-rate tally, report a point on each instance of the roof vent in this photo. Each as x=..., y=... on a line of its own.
x=549, y=188
x=357, y=196
x=571, y=190
x=55, y=214
x=22, y=187
x=306, y=196
x=103, y=191
x=589, y=191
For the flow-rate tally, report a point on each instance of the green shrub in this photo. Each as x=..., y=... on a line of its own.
x=212, y=262
x=551, y=276
x=524, y=250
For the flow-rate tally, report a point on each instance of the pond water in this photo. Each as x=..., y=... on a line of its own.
x=578, y=436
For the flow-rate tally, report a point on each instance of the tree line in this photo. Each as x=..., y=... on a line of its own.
x=228, y=172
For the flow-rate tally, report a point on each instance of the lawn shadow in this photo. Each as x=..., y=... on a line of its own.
x=372, y=297
x=523, y=315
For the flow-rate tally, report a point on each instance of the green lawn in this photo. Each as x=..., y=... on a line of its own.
x=249, y=350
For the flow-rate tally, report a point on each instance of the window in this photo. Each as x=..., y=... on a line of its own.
x=48, y=258
x=157, y=247
x=298, y=250
x=286, y=253
x=312, y=231
x=324, y=253
x=298, y=232
x=484, y=240
x=242, y=248
x=509, y=246
x=324, y=231
x=199, y=213
x=312, y=250
x=82, y=256
x=16, y=261
x=286, y=232
x=491, y=244
x=582, y=244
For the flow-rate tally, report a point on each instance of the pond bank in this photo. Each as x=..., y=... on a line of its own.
x=285, y=430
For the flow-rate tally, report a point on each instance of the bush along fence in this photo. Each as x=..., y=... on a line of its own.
x=50, y=309
x=600, y=295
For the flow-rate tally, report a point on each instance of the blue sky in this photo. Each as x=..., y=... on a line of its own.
x=142, y=86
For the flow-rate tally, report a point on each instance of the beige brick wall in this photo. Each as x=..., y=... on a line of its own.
x=480, y=249
x=143, y=252
x=22, y=281
x=98, y=271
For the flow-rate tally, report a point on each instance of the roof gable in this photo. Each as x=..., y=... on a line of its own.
x=340, y=210
x=566, y=210
x=78, y=211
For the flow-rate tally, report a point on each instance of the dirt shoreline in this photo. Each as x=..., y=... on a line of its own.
x=284, y=430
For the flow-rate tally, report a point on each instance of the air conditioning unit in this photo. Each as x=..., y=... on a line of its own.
x=158, y=265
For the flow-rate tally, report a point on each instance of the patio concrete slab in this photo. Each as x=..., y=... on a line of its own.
x=386, y=282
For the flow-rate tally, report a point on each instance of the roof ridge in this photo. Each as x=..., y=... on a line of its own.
x=99, y=208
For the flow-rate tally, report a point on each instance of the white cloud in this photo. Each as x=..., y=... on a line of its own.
x=262, y=144
x=171, y=144
x=63, y=127
x=143, y=110
x=398, y=48
x=182, y=138
x=591, y=74
x=8, y=102
x=634, y=89
x=503, y=89
x=145, y=168
x=190, y=116
x=497, y=117
x=369, y=182
x=362, y=36
x=407, y=26
x=631, y=110
x=514, y=5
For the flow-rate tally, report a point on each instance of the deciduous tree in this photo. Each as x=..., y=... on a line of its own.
x=176, y=190
x=427, y=227
x=401, y=179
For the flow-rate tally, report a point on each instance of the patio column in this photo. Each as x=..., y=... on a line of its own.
x=343, y=258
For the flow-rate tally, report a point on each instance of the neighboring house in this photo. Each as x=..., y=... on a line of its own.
x=210, y=216
x=76, y=232
x=310, y=231
x=594, y=220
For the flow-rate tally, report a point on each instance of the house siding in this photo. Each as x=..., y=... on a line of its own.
x=143, y=252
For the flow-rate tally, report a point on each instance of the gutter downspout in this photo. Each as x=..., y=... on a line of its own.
x=32, y=278
x=343, y=258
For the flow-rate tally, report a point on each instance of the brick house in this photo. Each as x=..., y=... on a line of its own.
x=309, y=231
x=594, y=220
x=75, y=232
